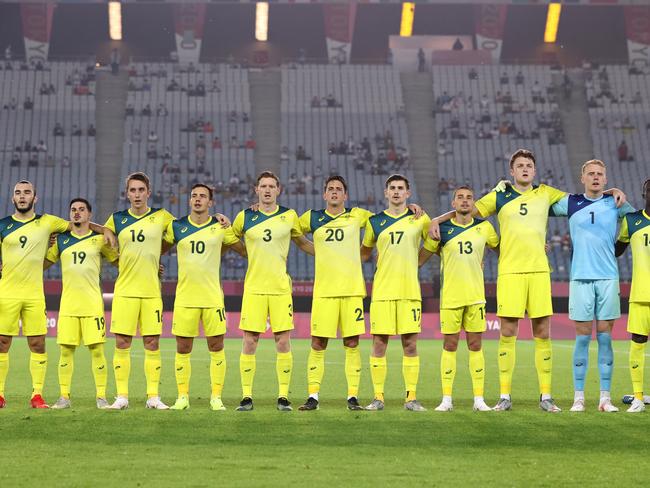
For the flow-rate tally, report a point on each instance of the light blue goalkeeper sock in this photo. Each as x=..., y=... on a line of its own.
x=580, y=361
x=605, y=360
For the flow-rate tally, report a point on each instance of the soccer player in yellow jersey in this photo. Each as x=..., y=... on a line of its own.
x=81, y=314
x=524, y=278
x=635, y=231
x=200, y=240
x=268, y=232
x=462, y=305
x=396, y=306
x=137, y=300
x=24, y=238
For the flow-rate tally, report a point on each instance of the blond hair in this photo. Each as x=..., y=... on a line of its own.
x=597, y=162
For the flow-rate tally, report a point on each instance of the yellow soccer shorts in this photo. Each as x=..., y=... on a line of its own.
x=393, y=317
x=129, y=312
x=70, y=330
x=471, y=318
x=518, y=293
x=186, y=321
x=330, y=314
x=256, y=309
x=638, y=321
x=30, y=313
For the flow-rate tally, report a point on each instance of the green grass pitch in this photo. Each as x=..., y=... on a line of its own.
x=525, y=447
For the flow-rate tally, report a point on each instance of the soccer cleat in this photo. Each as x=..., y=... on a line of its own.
x=310, y=404
x=246, y=405
x=216, y=404
x=444, y=407
x=182, y=403
x=353, y=404
x=375, y=405
x=156, y=403
x=414, y=406
x=549, y=405
x=578, y=405
x=284, y=405
x=3, y=403
x=62, y=403
x=38, y=402
x=637, y=406
x=628, y=399
x=102, y=403
x=503, y=405
x=481, y=406
x=120, y=403
x=606, y=405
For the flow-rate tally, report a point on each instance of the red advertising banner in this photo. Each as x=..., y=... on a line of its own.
x=189, y=20
x=37, y=27
x=339, y=30
x=490, y=25
x=637, y=29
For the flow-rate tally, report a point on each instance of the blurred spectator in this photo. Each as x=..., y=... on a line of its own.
x=11, y=105
x=146, y=111
x=28, y=104
x=32, y=162
x=15, y=160
x=216, y=143
x=58, y=130
x=422, y=62
x=152, y=137
x=137, y=136
x=76, y=130
x=161, y=110
x=66, y=162
x=244, y=117
x=301, y=154
x=91, y=131
x=623, y=152
x=41, y=146
x=130, y=111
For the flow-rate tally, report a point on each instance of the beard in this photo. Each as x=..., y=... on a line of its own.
x=28, y=208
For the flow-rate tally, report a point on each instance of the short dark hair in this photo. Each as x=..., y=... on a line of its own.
x=27, y=182
x=398, y=177
x=336, y=178
x=267, y=174
x=645, y=187
x=82, y=200
x=138, y=176
x=202, y=185
x=522, y=153
x=461, y=187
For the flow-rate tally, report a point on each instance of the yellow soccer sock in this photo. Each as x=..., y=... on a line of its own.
x=447, y=371
x=637, y=363
x=217, y=372
x=315, y=371
x=183, y=367
x=66, y=368
x=98, y=362
x=543, y=364
x=37, y=368
x=353, y=370
x=507, y=355
x=247, y=372
x=378, y=374
x=477, y=371
x=152, y=369
x=122, y=368
x=411, y=373
x=283, y=367
x=4, y=369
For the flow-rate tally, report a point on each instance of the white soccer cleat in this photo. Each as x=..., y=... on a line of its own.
x=444, y=407
x=637, y=406
x=102, y=403
x=606, y=405
x=481, y=406
x=578, y=405
x=156, y=403
x=120, y=403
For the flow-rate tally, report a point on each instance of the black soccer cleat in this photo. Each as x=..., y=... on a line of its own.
x=353, y=404
x=310, y=404
x=284, y=405
x=246, y=405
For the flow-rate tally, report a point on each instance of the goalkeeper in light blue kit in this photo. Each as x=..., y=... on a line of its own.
x=594, y=287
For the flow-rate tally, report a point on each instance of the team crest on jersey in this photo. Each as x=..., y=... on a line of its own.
x=124, y=220
x=283, y=218
x=152, y=219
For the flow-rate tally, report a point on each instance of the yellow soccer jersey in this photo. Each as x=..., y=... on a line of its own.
x=461, y=262
x=199, y=261
x=140, y=240
x=338, y=257
x=24, y=245
x=522, y=221
x=635, y=229
x=398, y=244
x=81, y=263
x=267, y=238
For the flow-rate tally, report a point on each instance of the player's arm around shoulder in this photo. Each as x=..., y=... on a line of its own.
x=232, y=242
x=298, y=237
x=623, y=240
x=369, y=241
x=428, y=249
x=52, y=256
